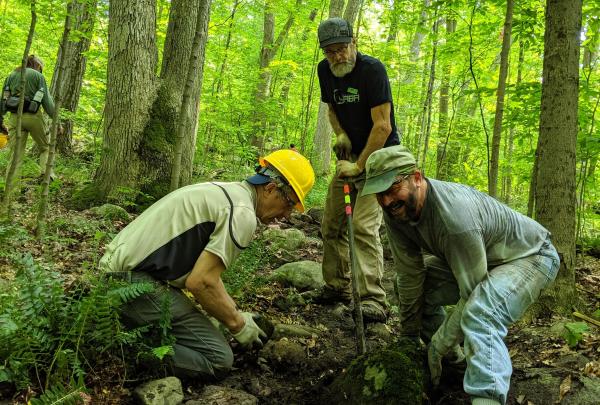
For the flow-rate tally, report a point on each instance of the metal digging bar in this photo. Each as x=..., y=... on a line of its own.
x=361, y=347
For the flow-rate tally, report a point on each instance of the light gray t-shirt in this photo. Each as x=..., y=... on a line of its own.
x=471, y=231
x=167, y=239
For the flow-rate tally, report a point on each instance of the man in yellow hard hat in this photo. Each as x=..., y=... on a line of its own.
x=187, y=240
x=33, y=121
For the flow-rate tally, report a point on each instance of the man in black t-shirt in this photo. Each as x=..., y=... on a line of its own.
x=357, y=91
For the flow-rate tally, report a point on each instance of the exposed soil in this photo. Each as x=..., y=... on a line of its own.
x=304, y=377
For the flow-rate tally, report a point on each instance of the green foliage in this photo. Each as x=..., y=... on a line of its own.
x=244, y=275
x=316, y=197
x=51, y=336
x=574, y=332
x=58, y=394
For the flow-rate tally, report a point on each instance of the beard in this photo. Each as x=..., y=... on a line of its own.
x=409, y=214
x=341, y=69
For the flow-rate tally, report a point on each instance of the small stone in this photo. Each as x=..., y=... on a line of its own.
x=166, y=391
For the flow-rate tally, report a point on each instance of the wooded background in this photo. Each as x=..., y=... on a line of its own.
x=500, y=95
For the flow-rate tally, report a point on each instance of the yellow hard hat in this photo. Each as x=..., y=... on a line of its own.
x=295, y=168
x=3, y=140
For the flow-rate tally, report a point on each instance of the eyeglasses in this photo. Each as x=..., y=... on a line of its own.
x=290, y=203
x=332, y=52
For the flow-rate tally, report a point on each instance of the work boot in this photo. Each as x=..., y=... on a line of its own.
x=327, y=296
x=372, y=312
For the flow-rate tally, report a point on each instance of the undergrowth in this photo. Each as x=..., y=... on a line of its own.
x=51, y=335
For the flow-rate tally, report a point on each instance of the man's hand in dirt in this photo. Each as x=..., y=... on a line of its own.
x=342, y=147
x=345, y=168
x=250, y=334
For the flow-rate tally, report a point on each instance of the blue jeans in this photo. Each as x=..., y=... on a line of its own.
x=494, y=304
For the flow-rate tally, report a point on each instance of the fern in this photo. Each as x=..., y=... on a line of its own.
x=51, y=336
x=58, y=395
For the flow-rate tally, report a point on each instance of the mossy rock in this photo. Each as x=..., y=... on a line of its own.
x=389, y=376
x=285, y=239
x=111, y=212
x=85, y=197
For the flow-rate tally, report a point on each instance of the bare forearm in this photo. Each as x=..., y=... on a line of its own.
x=216, y=302
x=335, y=124
x=377, y=138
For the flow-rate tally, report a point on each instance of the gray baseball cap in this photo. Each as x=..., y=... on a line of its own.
x=334, y=31
x=384, y=165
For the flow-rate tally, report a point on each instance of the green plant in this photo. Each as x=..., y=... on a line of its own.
x=574, y=332
x=50, y=336
x=243, y=274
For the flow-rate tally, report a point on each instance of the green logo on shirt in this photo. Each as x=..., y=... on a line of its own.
x=352, y=90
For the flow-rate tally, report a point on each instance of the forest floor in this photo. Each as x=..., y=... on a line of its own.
x=546, y=369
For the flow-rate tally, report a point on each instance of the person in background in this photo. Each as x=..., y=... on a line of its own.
x=188, y=239
x=33, y=121
x=455, y=245
x=357, y=91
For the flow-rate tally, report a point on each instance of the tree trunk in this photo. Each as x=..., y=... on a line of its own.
x=130, y=91
x=511, y=133
x=415, y=46
x=428, y=100
x=157, y=148
x=269, y=49
x=497, y=133
x=83, y=17
x=17, y=152
x=187, y=108
x=555, y=190
x=442, y=164
x=58, y=96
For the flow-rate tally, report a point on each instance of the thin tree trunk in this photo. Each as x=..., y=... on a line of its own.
x=17, y=152
x=442, y=166
x=83, y=17
x=555, y=190
x=429, y=98
x=511, y=132
x=43, y=207
x=269, y=49
x=497, y=132
x=186, y=103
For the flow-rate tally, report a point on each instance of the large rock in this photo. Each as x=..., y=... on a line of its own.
x=304, y=275
x=166, y=391
x=217, y=395
x=389, y=376
x=111, y=212
x=284, y=242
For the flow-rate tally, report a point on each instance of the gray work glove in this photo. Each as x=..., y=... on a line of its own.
x=345, y=169
x=434, y=359
x=342, y=147
x=250, y=334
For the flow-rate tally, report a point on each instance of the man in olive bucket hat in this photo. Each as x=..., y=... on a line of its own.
x=455, y=245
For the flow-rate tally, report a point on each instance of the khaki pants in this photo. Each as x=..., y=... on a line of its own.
x=33, y=124
x=367, y=216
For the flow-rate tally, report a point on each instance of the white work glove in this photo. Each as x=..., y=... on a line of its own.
x=342, y=147
x=250, y=334
x=345, y=168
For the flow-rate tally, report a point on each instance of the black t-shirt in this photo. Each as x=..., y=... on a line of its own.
x=353, y=96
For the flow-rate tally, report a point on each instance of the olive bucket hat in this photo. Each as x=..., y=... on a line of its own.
x=384, y=165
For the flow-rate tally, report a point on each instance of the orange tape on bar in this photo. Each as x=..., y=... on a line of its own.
x=346, y=189
x=348, y=210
